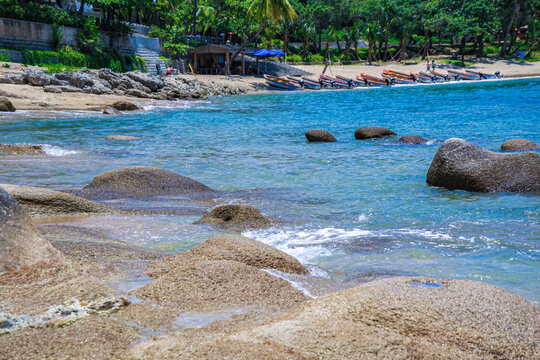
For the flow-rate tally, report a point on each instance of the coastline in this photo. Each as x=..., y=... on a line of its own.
x=34, y=98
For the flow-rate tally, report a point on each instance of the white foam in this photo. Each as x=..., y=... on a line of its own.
x=52, y=150
x=295, y=284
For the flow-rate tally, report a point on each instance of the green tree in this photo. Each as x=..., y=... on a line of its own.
x=263, y=11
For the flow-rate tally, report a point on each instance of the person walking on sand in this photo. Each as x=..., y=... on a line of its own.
x=427, y=66
x=433, y=66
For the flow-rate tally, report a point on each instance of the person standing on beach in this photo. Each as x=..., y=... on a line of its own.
x=433, y=66
x=427, y=66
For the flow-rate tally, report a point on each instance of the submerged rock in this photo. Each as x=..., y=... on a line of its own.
x=141, y=181
x=21, y=244
x=460, y=165
x=6, y=149
x=121, y=137
x=232, y=247
x=40, y=201
x=318, y=135
x=125, y=106
x=6, y=105
x=519, y=145
x=236, y=217
x=369, y=132
x=412, y=139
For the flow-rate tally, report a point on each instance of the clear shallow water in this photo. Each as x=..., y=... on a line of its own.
x=353, y=208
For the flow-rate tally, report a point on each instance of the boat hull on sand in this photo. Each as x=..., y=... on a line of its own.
x=462, y=75
x=282, y=83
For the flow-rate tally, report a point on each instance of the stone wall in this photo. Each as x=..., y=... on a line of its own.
x=18, y=34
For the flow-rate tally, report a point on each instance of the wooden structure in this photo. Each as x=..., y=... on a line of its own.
x=211, y=59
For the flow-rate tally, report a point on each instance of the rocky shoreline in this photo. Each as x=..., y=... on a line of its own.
x=225, y=298
x=27, y=88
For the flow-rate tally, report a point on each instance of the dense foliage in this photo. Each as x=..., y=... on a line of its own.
x=393, y=29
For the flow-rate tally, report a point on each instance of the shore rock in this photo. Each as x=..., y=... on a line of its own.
x=121, y=137
x=39, y=78
x=111, y=111
x=6, y=149
x=412, y=139
x=369, y=132
x=460, y=165
x=6, y=105
x=232, y=247
x=206, y=285
x=141, y=181
x=519, y=145
x=236, y=218
x=153, y=83
x=407, y=318
x=318, y=135
x=21, y=244
x=40, y=201
x=52, y=89
x=125, y=106
x=77, y=79
x=18, y=79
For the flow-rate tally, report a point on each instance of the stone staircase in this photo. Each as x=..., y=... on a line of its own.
x=151, y=59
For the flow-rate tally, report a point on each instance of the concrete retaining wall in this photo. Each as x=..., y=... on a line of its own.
x=30, y=35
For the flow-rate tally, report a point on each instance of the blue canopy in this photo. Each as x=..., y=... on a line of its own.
x=276, y=52
x=268, y=53
x=261, y=53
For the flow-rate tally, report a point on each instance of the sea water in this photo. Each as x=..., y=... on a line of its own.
x=351, y=209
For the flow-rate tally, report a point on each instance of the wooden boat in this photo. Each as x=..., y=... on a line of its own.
x=399, y=75
x=434, y=78
x=350, y=81
x=482, y=75
x=373, y=80
x=281, y=83
x=423, y=78
x=462, y=75
x=333, y=82
x=397, y=80
x=306, y=83
x=440, y=75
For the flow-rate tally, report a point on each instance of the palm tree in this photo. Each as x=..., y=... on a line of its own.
x=264, y=11
x=308, y=32
x=331, y=35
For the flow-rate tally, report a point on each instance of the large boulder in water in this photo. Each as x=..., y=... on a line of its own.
x=236, y=218
x=21, y=244
x=141, y=181
x=6, y=149
x=407, y=318
x=519, y=145
x=414, y=139
x=318, y=135
x=369, y=132
x=236, y=248
x=460, y=165
x=39, y=201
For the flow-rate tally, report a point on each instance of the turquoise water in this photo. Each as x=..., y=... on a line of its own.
x=352, y=209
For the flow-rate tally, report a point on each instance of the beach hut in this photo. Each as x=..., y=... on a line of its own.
x=211, y=58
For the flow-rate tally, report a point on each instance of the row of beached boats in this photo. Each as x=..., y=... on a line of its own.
x=388, y=78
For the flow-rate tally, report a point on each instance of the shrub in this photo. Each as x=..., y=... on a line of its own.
x=88, y=37
x=69, y=57
x=57, y=68
x=4, y=56
x=140, y=64
x=115, y=66
x=294, y=58
x=315, y=58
